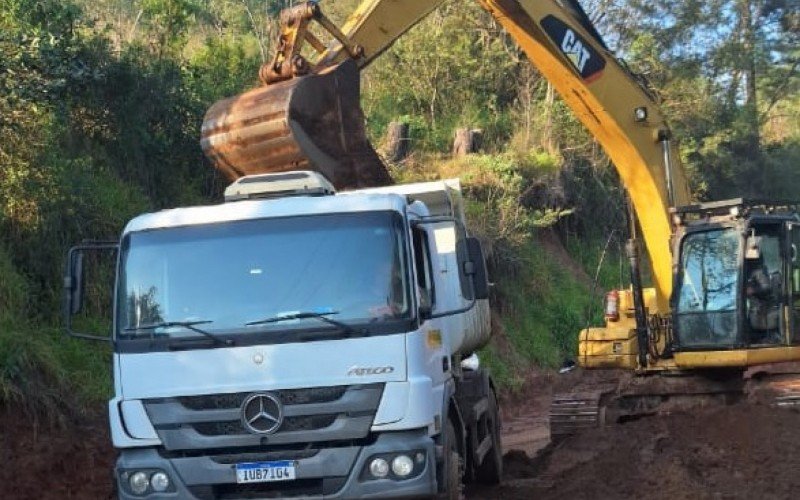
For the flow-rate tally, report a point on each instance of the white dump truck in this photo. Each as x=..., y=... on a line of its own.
x=297, y=342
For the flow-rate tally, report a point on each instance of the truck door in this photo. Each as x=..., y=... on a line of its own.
x=793, y=264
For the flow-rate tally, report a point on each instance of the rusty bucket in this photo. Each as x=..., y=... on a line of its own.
x=312, y=122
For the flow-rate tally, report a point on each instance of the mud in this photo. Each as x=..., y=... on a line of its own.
x=730, y=452
x=743, y=451
x=42, y=459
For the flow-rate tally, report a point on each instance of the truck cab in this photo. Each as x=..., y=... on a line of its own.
x=293, y=341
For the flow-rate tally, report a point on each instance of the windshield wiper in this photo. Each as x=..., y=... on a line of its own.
x=189, y=325
x=322, y=316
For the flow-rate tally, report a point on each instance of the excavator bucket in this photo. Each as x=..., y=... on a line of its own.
x=312, y=122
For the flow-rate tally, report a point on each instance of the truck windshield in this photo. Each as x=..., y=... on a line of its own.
x=708, y=289
x=350, y=267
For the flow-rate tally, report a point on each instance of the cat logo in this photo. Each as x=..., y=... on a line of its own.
x=575, y=50
x=586, y=60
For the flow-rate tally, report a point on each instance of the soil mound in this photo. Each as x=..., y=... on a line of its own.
x=44, y=460
x=740, y=451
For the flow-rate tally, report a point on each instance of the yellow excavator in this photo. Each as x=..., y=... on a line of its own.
x=725, y=293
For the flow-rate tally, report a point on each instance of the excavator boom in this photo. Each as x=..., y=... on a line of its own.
x=308, y=116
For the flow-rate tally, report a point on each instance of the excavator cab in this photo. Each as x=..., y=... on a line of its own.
x=737, y=282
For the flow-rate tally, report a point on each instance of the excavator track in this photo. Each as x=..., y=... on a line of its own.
x=635, y=397
x=571, y=413
x=776, y=385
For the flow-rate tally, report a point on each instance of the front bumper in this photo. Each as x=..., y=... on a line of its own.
x=325, y=473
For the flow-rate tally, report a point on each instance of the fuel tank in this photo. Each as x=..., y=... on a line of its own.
x=312, y=122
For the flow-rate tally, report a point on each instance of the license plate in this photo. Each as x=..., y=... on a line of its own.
x=265, y=472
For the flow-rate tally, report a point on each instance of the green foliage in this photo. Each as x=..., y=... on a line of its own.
x=728, y=71
x=13, y=290
x=223, y=67
x=49, y=375
x=169, y=21
x=101, y=104
x=542, y=306
x=447, y=76
x=93, y=134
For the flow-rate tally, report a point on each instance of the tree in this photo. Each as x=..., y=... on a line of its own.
x=723, y=67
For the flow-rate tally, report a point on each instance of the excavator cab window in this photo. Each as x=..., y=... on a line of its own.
x=708, y=284
x=764, y=285
x=793, y=261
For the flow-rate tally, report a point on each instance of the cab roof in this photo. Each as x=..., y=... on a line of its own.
x=269, y=208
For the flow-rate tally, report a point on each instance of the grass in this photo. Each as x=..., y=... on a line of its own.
x=541, y=306
x=45, y=372
x=541, y=309
x=41, y=370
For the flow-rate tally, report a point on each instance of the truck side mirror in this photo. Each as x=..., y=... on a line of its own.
x=475, y=268
x=75, y=285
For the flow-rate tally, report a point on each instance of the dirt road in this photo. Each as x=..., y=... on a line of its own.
x=745, y=451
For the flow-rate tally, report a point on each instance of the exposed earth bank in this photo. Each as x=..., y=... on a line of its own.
x=741, y=451
x=42, y=459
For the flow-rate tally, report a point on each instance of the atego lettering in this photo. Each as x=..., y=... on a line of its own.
x=363, y=372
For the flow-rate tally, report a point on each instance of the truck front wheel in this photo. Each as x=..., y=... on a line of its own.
x=491, y=469
x=449, y=474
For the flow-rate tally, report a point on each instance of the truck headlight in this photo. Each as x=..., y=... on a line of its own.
x=379, y=467
x=397, y=466
x=402, y=465
x=160, y=481
x=139, y=483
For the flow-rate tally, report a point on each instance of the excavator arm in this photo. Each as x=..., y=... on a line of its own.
x=309, y=116
x=616, y=109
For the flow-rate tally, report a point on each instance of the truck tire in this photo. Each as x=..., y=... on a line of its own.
x=449, y=474
x=490, y=471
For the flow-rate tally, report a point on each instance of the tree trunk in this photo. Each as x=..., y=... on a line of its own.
x=547, y=135
x=398, y=141
x=467, y=141
x=751, y=104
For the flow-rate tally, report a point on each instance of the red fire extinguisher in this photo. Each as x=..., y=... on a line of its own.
x=612, y=306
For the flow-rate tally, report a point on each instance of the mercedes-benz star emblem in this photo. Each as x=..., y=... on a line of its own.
x=262, y=413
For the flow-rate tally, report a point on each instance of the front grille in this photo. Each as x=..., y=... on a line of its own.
x=318, y=415
x=287, y=397
x=308, y=423
x=291, y=424
x=299, y=488
x=239, y=458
